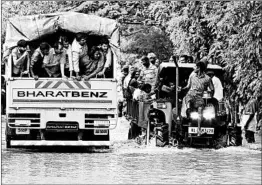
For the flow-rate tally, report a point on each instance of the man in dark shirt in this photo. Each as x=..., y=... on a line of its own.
x=36, y=64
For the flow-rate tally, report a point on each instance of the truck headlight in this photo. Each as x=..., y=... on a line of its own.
x=209, y=113
x=194, y=115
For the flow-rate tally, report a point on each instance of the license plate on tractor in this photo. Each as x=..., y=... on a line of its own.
x=100, y=132
x=194, y=130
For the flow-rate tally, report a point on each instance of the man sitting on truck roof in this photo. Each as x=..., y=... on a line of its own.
x=36, y=65
x=55, y=60
x=20, y=59
x=79, y=53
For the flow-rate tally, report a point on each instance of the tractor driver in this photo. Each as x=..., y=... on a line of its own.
x=198, y=83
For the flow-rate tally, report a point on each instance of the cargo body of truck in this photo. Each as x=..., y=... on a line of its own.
x=53, y=111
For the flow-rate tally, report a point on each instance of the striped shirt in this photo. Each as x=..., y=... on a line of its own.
x=149, y=75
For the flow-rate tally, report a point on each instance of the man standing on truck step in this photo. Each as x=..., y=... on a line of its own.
x=36, y=65
x=55, y=61
x=148, y=73
x=79, y=53
x=20, y=59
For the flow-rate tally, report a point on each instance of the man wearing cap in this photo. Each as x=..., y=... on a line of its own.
x=152, y=58
x=218, y=94
x=148, y=73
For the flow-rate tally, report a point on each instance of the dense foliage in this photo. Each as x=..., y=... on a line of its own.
x=228, y=33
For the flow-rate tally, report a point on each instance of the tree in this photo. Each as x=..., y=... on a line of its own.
x=228, y=33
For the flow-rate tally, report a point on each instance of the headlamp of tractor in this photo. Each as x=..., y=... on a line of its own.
x=209, y=113
x=194, y=115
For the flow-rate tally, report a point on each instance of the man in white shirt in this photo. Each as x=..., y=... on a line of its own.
x=79, y=52
x=218, y=94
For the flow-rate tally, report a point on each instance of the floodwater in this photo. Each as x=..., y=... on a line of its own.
x=126, y=162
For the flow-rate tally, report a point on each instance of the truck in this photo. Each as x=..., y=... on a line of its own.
x=54, y=111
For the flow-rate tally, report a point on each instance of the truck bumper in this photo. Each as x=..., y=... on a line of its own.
x=58, y=143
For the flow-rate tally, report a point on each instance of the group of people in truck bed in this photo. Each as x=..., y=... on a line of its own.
x=63, y=59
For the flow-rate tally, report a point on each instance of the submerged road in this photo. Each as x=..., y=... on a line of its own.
x=127, y=162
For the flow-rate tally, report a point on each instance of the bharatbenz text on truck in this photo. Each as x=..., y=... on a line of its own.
x=56, y=112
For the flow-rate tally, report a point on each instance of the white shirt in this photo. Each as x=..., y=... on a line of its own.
x=137, y=94
x=126, y=81
x=218, y=88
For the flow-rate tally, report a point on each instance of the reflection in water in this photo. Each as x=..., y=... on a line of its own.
x=128, y=163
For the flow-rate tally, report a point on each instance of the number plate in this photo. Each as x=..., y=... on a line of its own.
x=22, y=131
x=193, y=130
x=101, y=123
x=100, y=132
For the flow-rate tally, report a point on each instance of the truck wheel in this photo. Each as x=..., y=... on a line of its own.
x=221, y=141
x=8, y=142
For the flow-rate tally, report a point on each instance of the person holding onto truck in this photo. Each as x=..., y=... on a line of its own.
x=54, y=63
x=36, y=64
x=108, y=57
x=93, y=65
x=68, y=67
x=79, y=53
x=20, y=59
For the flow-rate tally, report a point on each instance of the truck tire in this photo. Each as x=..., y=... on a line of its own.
x=221, y=141
x=8, y=136
x=8, y=142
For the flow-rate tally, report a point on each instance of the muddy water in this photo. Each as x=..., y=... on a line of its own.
x=126, y=162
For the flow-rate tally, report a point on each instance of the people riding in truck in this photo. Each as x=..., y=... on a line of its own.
x=55, y=61
x=172, y=59
x=79, y=53
x=183, y=59
x=68, y=68
x=91, y=66
x=36, y=64
x=20, y=59
x=108, y=57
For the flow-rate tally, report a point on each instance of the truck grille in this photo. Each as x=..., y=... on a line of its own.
x=33, y=118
